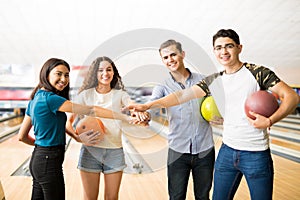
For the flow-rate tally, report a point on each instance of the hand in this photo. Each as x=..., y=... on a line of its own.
x=137, y=107
x=260, y=121
x=136, y=122
x=140, y=118
x=90, y=138
x=217, y=121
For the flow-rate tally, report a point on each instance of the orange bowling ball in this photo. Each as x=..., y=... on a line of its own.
x=90, y=123
x=261, y=102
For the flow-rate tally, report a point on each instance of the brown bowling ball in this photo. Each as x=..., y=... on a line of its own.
x=261, y=102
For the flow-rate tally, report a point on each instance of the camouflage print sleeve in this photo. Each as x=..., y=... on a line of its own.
x=265, y=77
x=204, y=83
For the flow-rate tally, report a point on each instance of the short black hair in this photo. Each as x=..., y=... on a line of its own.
x=227, y=33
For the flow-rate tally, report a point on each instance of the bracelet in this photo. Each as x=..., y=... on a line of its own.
x=270, y=122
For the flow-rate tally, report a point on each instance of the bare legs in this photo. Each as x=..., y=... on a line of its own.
x=91, y=185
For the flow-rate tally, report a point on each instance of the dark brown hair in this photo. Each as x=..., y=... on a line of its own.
x=44, y=82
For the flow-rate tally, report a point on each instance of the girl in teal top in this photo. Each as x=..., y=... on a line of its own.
x=48, y=122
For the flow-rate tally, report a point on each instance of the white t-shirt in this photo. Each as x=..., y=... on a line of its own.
x=114, y=100
x=238, y=133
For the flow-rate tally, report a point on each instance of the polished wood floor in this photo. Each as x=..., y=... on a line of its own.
x=146, y=186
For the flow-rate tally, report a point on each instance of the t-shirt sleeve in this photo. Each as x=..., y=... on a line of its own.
x=265, y=77
x=202, y=84
x=269, y=78
x=27, y=112
x=54, y=102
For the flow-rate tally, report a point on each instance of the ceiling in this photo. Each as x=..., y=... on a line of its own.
x=34, y=30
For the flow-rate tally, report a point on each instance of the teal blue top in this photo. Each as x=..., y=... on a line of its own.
x=49, y=123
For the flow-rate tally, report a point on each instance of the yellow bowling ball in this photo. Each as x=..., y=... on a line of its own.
x=209, y=109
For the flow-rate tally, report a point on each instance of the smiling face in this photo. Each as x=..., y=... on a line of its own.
x=59, y=77
x=105, y=73
x=172, y=58
x=227, y=51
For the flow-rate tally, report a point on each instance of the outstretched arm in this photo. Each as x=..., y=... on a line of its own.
x=172, y=99
x=93, y=111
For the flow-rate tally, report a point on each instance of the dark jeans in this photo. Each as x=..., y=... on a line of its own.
x=47, y=173
x=179, y=168
x=232, y=164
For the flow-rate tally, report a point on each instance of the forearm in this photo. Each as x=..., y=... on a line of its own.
x=165, y=102
x=72, y=133
x=24, y=132
x=177, y=98
x=289, y=101
x=93, y=111
x=106, y=113
x=69, y=127
x=27, y=140
x=287, y=106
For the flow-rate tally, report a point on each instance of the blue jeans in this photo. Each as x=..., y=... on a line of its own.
x=231, y=165
x=47, y=173
x=179, y=168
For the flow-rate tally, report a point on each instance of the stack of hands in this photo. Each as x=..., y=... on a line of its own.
x=140, y=118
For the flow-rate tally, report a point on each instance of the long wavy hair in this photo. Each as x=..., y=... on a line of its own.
x=91, y=81
x=44, y=82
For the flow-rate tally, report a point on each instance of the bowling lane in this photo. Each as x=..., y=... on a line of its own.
x=288, y=125
x=13, y=154
x=5, y=116
x=147, y=148
x=295, y=119
x=10, y=126
x=10, y=122
x=291, y=122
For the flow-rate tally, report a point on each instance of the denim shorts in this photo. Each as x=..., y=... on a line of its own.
x=96, y=160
